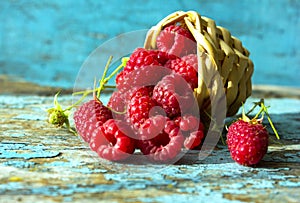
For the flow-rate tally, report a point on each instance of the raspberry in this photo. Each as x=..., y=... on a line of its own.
x=188, y=123
x=176, y=40
x=140, y=63
x=191, y=59
x=116, y=102
x=186, y=69
x=89, y=116
x=192, y=129
x=152, y=126
x=247, y=142
x=165, y=146
x=174, y=95
x=111, y=142
x=193, y=140
x=140, y=105
x=141, y=57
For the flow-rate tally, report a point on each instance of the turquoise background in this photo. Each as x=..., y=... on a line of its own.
x=46, y=42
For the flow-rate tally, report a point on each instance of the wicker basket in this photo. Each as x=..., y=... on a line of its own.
x=224, y=62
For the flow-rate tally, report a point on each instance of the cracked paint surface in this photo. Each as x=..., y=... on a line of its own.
x=40, y=163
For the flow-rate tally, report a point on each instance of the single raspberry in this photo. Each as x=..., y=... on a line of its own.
x=152, y=126
x=117, y=102
x=145, y=76
x=165, y=146
x=247, y=141
x=111, y=142
x=176, y=40
x=191, y=59
x=194, y=140
x=192, y=129
x=137, y=92
x=186, y=69
x=174, y=95
x=89, y=116
x=188, y=122
x=139, y=59
x=139, y=106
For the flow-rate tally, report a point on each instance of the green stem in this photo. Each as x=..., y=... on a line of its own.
x=271, y=123
x=94, y=90
x=260, y=111
x=264, y=110
x=78, y=102
x=102, y=82
x=123, y=64
x=103, y=79
x=83, y=92
x=109, y=86
x=252, y=109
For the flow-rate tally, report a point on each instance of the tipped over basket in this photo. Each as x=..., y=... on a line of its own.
x=224, y=67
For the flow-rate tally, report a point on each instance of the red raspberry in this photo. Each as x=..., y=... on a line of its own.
x=152, y=127
x=176, y=40
x=143, y=57
x=89, y=116
x=188, y=123
x=111, y=142
x=191, y=59
x=116, y=102
x=174, y=95
x=138, y=60
x=140, y=105
x=192, y=129
x=193, y=140
x=165, y=146
x=247, y=141
x=186, y=69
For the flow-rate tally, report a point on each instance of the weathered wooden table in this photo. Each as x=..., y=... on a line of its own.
x=40, y=163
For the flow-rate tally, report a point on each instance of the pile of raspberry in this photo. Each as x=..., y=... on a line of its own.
x=153, y=110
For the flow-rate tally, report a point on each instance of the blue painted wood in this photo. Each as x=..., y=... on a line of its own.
x=40, y=163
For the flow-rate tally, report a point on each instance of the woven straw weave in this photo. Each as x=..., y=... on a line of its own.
x=224, y=68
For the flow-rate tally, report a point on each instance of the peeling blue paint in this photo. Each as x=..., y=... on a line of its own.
x=206, y=180
x=139, y=181
x=20, y=102
x=75, y=166
x=29, y=117
x=263, y=184
x=16, y=134
x=11, y=186
x=289, y=184
x=62, y=164
x=54, y=190
x=187, y=198
x=68, y=199
x=19, y=164
x=28, y=155
x=10, y=151
x=88, y=170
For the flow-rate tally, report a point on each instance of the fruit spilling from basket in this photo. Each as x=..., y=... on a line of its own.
x=153, y=108
x=166, y=92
